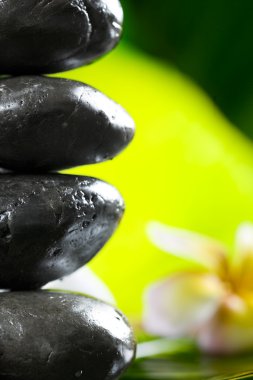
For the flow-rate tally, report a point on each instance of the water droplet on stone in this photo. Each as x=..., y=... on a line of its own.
x=79, y=373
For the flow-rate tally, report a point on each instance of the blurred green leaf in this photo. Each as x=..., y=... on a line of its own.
x=184, y=363
x=187, y=167
x=209, y=40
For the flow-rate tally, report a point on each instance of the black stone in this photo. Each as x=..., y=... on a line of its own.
x=46, y=36
x=51, y=225
x=54, y=336
x=52, y=123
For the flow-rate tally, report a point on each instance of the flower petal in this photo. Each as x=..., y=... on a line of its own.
x=83, y=281
x=177, y=306
x=244, y=238
x=231, y=329
x=190, y=246
x=243, y=260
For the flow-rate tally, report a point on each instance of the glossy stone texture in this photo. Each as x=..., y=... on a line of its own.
x=54, y=336
x=52, y=123
x=52, y=225
x=47, y=36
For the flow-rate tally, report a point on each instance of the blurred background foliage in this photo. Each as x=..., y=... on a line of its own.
x=209, y=40
x=184, y=72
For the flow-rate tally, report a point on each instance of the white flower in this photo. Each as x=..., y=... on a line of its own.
x=214, y=304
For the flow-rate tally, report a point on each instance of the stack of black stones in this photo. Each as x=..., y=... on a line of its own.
x=52, y=224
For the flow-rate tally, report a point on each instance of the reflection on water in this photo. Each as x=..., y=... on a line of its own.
x=191, y=366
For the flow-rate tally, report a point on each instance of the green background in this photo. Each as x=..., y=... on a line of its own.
x=209, y=40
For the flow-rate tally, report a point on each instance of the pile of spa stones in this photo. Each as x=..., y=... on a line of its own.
x=52, y=224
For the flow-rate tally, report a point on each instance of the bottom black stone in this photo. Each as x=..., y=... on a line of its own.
x=56, y=336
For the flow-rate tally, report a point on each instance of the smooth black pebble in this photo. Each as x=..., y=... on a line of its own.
x=47, y=36
x=52, y=123
x=54, y=336
x=51, y=225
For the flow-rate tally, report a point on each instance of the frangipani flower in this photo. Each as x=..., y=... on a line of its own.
x=214, y=304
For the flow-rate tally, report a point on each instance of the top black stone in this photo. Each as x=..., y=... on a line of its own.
x=47, y=36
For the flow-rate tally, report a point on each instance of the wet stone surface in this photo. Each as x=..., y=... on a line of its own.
x=51, y=225
x=53, y=123
x=46, y=36
x=54, y=336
